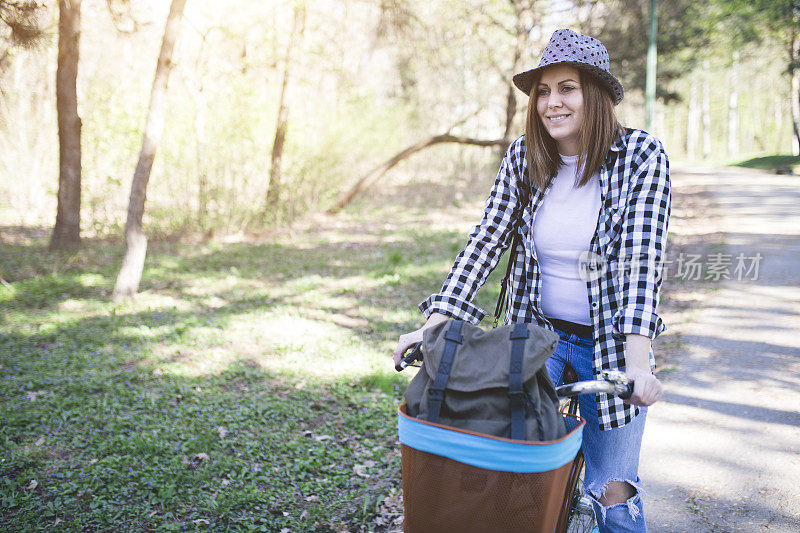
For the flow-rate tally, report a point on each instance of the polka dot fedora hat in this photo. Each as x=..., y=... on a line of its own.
x=586, y=53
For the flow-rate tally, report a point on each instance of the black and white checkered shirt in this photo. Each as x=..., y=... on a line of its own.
x=628, y=247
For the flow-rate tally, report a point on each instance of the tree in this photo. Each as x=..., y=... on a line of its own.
x=682, y=40
x=67, y=231
x=130, y=273
x=298, y=27
x=514, y=19
x=371, y=177
x=783, y=18
x=755, y=19
x=525, y=14
x=21, y=19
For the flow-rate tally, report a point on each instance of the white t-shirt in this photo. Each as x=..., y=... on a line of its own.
x=563, y=228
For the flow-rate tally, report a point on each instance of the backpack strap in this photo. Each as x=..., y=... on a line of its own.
x=524, y=196
x=502, y=300
x=453, y=339
x=516, y=395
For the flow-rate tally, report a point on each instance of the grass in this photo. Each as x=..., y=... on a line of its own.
x=772, y=162
x=248, y=388
x=694, y=504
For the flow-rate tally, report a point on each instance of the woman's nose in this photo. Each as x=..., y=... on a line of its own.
x=554, y=100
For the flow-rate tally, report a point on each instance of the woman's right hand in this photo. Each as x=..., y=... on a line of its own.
x=408, y=340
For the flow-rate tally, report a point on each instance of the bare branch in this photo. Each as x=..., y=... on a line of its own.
x=368, y=179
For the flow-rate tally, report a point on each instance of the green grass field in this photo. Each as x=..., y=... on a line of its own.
x=772, y=162
x=248, y=387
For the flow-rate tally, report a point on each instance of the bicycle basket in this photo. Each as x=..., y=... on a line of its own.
x=461, y=481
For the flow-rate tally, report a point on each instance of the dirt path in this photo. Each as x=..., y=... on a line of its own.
x=722, y=450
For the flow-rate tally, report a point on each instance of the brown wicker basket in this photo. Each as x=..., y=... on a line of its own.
x=442, y=494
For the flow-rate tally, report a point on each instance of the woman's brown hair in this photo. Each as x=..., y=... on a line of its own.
x=599, y=130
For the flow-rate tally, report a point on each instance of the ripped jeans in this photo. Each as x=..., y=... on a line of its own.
x=611, y=455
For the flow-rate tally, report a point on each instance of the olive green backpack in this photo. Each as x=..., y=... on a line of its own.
x=493, y=382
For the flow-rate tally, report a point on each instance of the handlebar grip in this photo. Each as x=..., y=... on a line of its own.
x=628, y=392
x=406, y=360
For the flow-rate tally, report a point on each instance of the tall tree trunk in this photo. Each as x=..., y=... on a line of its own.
x=794, y=72
x=201, y=107
x=692, y=132
x=706, y=111
x=733, y=107
x=779, y=115
x=130, y=273
x=274, y=189
x=67, y=231
x=525, y=16
x=659, y=128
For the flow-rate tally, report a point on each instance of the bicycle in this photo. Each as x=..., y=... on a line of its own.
x=577, y=512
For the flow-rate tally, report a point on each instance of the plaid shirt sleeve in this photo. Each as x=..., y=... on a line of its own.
x=485, y=245
x=643, y=244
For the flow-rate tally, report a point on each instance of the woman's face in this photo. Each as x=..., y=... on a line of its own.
x=559, y=104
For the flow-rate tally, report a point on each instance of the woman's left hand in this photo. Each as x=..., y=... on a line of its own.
x=647, y=388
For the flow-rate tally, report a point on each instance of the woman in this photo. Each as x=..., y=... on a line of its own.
x=589, y=204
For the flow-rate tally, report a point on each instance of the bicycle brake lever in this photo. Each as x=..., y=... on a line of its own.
x=408, y=360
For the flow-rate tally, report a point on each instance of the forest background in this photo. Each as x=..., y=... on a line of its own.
x=358, y=81
x=319, y=167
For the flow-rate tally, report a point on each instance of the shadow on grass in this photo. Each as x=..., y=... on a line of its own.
x=390, y=275
x=111, y=444
x=771, y=162
x=112, y=436
x=126, y=437
x=39, y=278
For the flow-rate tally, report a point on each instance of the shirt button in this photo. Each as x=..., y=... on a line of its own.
x=594, y=305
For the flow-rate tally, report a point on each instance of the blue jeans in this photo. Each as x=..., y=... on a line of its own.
x=611, y=455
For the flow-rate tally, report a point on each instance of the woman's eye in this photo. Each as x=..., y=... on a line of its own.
x=567, y=88
x=543, y=92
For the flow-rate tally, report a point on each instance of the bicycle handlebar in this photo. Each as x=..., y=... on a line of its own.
x=611, y=381
x=408, y=360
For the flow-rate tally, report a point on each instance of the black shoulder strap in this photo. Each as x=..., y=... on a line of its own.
x=502, y=300
x=453, y=339
x=516, y=395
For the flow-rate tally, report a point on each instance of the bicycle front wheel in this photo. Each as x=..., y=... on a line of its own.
x=581, y=515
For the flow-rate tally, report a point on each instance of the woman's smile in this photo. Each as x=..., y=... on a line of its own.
x=557, y=119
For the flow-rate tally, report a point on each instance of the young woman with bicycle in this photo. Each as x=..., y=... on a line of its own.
x=586, y=204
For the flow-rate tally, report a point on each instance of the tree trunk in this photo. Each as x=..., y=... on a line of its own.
x=524, y=16
x=659, y=128
x=274, y=189
x=368, y=179
x=692, y=133
x=130, y=273
x=794, y=72
x=200, y=145
x=778, y=114
x=733, y=108
x=706, y=111
x=67, y=231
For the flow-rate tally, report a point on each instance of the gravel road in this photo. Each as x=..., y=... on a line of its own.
x=722, y=449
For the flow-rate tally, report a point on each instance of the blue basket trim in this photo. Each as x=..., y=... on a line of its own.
x=489, y=452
